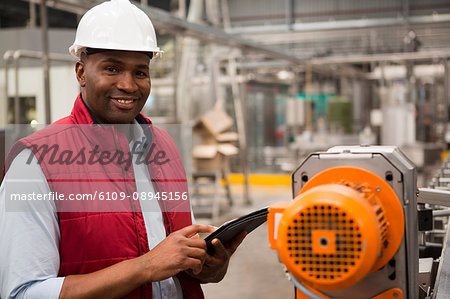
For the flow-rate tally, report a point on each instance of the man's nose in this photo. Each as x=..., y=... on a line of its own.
x=127, y=82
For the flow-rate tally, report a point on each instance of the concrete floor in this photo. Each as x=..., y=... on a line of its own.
x=254, y=271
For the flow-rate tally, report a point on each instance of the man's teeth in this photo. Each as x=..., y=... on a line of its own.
x=125, y=101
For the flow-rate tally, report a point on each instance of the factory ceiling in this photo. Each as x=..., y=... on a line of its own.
x=292, y=30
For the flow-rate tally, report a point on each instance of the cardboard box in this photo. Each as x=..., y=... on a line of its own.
x=204, y=151
x=227, y=137
x=216, y=144
x=212, y=157
x=214, y=121
x=227, y=149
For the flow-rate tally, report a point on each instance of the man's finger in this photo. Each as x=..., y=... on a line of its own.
x=219, y=250
x=195, y=265
x=191, y=230
x=197, y=253
x=194, y=242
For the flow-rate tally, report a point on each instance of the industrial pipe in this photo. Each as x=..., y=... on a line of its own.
x=15, y=56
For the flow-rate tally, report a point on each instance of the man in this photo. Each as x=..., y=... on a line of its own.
x=103, y=248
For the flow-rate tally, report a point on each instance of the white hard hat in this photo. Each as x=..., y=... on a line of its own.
x=115, y=25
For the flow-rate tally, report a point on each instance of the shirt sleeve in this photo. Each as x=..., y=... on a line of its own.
x=29, y=255
x=192, y=216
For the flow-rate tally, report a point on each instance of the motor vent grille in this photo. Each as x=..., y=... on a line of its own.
x=369, y=195
x=324, y=260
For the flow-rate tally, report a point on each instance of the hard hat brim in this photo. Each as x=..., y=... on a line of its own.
x=76, y=51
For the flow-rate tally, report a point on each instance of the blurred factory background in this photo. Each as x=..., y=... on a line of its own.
x=263, y=84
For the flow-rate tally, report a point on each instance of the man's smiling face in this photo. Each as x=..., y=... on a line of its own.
x=114, y=84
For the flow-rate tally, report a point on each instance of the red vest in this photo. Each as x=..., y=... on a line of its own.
x=93, y=238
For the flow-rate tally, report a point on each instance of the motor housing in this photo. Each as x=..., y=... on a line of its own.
x=346, y=232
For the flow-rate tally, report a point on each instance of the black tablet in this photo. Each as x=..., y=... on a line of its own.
x=227, y=231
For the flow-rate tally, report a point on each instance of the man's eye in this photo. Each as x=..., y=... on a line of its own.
x=141, y=74
x=111, y=69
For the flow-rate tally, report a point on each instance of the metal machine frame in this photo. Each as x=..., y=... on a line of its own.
x=399, y=172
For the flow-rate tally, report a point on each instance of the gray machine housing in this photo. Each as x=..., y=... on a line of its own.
x=390, y=164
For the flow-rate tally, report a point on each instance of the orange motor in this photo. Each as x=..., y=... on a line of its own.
x=346, y=222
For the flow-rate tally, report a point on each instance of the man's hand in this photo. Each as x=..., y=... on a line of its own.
x=180, y=251
x=215, y=266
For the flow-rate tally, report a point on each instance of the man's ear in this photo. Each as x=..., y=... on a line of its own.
x=80, y=71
